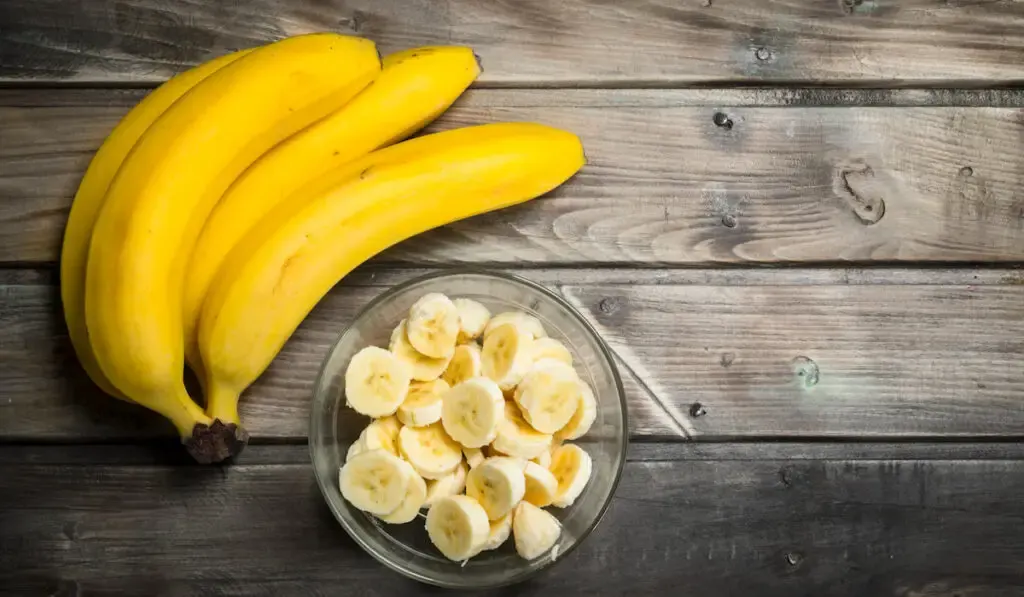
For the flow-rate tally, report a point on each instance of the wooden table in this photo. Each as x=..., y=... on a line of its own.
x=799, y=232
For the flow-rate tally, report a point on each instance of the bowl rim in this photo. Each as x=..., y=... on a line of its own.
x=603, y=348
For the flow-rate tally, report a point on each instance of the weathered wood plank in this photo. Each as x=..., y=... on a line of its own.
x=536, y=42
x=665, y=184
x=916, y=357
x=762, y=525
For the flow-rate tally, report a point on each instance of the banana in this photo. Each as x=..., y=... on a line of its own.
x=541, y=485
x=571, y=466
x=415, y=496
x=381, y=434
x=302, y=248
x=433, y=326
x=163, y=192
x=517, y=438
x=453, y=483
x=529, y=324
x=473, y=318
x=429, y=450
x=90, y=196
x=457, y=525
x=422, y=405
x=376, y=481
x=549, y=348
x=583, y=418
x=498, y=484
x=474, y=456
x=500, y=531
x=376, y=382
x=534, y=530
x=506, y=356
x=423, y=368
x=413, y=88
x=465, y=364
x=549, y=395
x=473, y=411
x=543, y=459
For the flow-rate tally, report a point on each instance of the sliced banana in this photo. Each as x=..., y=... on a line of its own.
x=458, y=527
x=549, y=348
x=375, y=481
x=473, y=411
x=380, y=434
x=500, y=531
x=421, y=367
x=498, y=484
x=429, y=450
x=466, y=364
x=549, y=395
x=583, y=418
x=543, y=459
x=473, y=318
x=506, y=355
x=376, y=382
x=433, y=325
x=571, y=466
x=415, y=495
x=422, y=405
x=517, y=438
x=453, y=483
x=535, y=531
x=474, y=456
x=528, y=323
x=541, y=485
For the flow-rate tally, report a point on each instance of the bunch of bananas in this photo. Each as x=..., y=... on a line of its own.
x=234, y=196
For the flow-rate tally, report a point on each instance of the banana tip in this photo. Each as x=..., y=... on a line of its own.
x=216, y=442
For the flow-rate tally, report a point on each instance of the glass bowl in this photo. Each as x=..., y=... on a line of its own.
x=406, y=548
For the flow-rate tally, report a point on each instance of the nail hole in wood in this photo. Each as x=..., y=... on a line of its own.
x=697, y=410
x=729, y=221
x=763, y=54
x=794, y=558
x=727, y=359
x=722, y=121
x=966, y=171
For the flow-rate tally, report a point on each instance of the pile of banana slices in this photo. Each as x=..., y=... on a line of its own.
x=475, y=433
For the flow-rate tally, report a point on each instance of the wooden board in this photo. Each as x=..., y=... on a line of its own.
x=784, y=353
x=571, y=42
x=756, y=519
x=664, y=183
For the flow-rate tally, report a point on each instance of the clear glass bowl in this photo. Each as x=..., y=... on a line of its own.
x=406, y=548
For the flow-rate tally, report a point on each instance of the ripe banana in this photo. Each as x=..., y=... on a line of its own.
x=528, y=323
x=429, y=450
x=506, y=355
x=453, y=483
x=90, y=196
x=433, y=326
x=549, y=348
x=457, y=525
x=415, y=496
x=541, y=485
x=285, y=264
x=423, y=404
x=465, y=364
x=571, y=466
x=164, y=191
x=583, y=418
x=474, y=456
x=413, y=88
x=473, y=411
x=381, y=434
x=376, y=481
x=498, y=484
x=535, y=531
x=517, y=438
x=549, y=395
x=376, y=382
x=423, y=368
x=500, y=531
x=473, y=318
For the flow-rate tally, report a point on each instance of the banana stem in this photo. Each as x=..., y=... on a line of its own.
x=182, y=411
x=221, y=402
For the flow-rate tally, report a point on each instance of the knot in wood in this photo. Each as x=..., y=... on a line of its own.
x=857, y=185
x=763, y=54
x=807, y=373
x=721, y=120
x=697, y=410
x=609, y=305
x=727, y=359
x=794, y=558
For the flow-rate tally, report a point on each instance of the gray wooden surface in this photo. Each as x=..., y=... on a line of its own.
x=801, y=231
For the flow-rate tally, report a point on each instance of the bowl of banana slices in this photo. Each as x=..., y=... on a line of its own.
x=468, y=428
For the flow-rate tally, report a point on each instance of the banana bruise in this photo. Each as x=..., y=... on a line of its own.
x=302, y=248
x=163, y=193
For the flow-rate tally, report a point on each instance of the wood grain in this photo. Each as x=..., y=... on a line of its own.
x=534, y=42
x=753, y=522
x=664, y=183
x=784, y=354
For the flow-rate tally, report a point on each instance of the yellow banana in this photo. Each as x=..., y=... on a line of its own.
x=89, y=199
x=413, y=88
x=163, y=193
x=288, y=261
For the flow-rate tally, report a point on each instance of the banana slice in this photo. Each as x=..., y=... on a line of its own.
x=466, y=364
x=500, y=531
x=473, y=411
x=381, y=434
x=541, y=485
x=433, y=325
x=498, y=484
x=549, y=348
x=583, y=418
x=571, y=466
x=517, y=438
x=528, y=323
x=375, y=481
x=421, y=367
x=535, y=531
x=543, y=459
x=474, y=456
x=376, y=382
x=453, y=483
x=458, y=527
x=549, y=395
x=506, y=355
x=422, y=405
x=429, y=450
x=473, y=318
x=415, y=495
